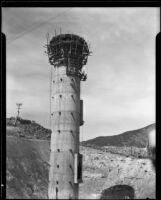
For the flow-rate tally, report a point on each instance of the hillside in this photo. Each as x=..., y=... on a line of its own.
x=103, y=170
x=137, y=138
x=27, y=129
x=28, y=168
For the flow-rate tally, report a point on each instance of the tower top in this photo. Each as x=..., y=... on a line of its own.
x=69, y=50
x=70, y=39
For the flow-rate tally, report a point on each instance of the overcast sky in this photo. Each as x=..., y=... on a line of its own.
x=119, y=94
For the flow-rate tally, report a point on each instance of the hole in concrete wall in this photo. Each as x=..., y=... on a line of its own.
x=70, y=183
x=59, y=131
x=61, y=79
x=72, y=133
x=56, y=193
x=57, y=182
x=118, y=192
x=72, y=96
x=58, y=150
x=59, y=113
x=57, y=166
x=71, y=151
x=53, y=81
x=60, y=96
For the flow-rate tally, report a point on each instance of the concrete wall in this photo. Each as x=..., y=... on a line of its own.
x=65, y=134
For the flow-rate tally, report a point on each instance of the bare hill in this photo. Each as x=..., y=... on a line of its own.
x=28, y=168
x=28, y=149
x=137, y=138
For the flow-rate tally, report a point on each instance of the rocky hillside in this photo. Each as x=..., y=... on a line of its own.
x=27, y=167
x=27, y=129
x=103, y=170
x=136, y=138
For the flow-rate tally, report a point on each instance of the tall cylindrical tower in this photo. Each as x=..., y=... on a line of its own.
x=67, y=53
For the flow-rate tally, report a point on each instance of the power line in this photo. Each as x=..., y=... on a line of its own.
x=50, y=94
x=35, y=27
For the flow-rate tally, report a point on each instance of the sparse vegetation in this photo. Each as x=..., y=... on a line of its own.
x=29, y=129
x=136, y=152
x=126, y=151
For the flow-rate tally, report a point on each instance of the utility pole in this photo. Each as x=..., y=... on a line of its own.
x=18, y=111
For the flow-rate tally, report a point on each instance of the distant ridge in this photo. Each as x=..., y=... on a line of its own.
x=138, y=138
x=32, y=130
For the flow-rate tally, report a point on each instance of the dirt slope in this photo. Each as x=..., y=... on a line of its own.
x=27, y=168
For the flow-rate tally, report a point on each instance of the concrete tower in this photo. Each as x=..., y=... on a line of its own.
x=67, y=53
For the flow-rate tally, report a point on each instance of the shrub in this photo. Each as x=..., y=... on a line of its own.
x=25, y=121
